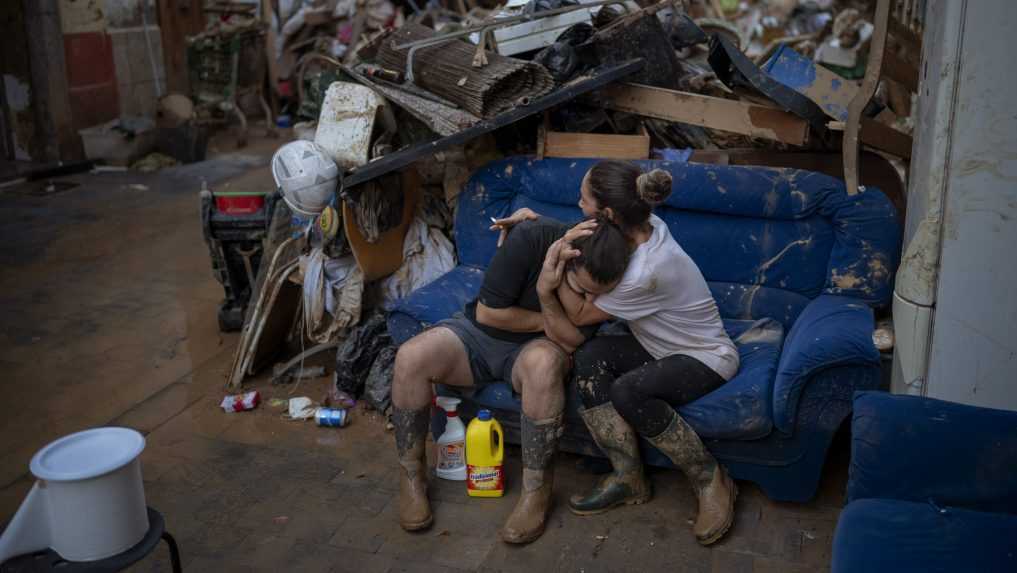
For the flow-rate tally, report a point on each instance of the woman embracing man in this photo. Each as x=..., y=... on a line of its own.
x=677, y=349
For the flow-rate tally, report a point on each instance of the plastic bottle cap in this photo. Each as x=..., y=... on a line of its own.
x=484, y=415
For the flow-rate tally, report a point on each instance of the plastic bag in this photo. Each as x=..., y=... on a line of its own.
x=357, y=352
x=427, y=255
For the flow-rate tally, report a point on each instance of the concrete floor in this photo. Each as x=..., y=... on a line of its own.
x=107, y=316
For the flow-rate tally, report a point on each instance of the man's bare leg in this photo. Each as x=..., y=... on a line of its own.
x=539, y=376
x=434, y=356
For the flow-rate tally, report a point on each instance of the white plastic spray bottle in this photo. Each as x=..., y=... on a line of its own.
x=452, y=443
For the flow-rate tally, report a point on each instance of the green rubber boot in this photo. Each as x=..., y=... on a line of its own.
x=627, y=484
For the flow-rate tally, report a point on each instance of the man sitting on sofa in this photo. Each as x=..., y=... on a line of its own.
x=503, y=335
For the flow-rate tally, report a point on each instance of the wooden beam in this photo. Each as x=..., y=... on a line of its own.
x=559, y=144
x=706, y=111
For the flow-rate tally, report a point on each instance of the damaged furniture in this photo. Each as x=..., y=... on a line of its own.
x=930, y=488
x=795, y=264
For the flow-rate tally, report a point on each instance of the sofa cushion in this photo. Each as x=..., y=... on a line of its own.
x=738, y=410
x=741, y=409
x=436, y=301
x=890, y=535
x=908, y=447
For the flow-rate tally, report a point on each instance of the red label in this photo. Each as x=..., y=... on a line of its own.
x=484, y=478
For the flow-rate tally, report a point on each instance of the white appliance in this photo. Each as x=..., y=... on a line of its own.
x=955, y=302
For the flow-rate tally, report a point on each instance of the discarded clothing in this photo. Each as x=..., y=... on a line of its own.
x=332, y=294
x=427, y=255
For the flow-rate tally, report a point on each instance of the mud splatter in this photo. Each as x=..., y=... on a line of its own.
x=847, y=280
x=508, y=170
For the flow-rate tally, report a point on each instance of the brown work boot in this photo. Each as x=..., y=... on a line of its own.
x=627, y=484
x=527, y=521
x=716, y=507
x=411, y=435
x=714, y=489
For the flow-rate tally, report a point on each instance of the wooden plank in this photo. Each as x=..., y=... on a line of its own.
x=177, y=20
x=706, y=111
x=558, y=144
x=865, y=92
x=885, y=138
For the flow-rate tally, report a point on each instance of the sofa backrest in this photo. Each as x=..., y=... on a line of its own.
x=768, y=240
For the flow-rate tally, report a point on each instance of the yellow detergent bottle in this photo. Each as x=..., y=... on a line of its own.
x=485, y=448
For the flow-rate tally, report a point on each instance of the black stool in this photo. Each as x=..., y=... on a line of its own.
x=49, y=560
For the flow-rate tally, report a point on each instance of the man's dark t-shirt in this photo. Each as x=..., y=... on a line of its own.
x=511, y=278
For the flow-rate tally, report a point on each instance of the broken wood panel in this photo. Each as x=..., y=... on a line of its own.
x=567, y=92
x=558, y=144
x=177, y=20
x=885, y=138
x=899, y=70
x=706, y=111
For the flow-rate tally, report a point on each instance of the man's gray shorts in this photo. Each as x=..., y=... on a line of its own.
x=491, y=359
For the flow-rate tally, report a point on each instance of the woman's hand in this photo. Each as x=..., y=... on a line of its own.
x=506, y=224
x=583, y=229
x=553, y=270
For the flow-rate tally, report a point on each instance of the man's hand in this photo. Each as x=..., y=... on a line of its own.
x=553, y=270
x=506, y=224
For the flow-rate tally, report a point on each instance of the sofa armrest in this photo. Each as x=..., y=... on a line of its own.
x=925, y=450
x=436, y=301
x=831, y=331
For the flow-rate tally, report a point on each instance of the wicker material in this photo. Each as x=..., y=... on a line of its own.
x=447, y=70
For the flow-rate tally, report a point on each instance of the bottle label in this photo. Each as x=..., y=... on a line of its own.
x=484, y=478
x=451, y=456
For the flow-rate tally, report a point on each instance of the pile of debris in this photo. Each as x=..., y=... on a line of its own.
x=404, y=108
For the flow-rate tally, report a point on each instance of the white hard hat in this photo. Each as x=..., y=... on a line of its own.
x=306, y=175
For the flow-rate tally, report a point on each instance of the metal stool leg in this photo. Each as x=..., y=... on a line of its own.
x=174, y=551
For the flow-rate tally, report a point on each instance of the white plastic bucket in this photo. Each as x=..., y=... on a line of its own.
x=89, y=502
x=346, y=122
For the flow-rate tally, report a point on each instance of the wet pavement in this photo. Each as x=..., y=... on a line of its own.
x=108, y=316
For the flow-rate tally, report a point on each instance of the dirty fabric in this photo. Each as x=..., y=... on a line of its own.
x=379, y=207
x=332, y=294
x=645, y=391
x=378, y=386
x=357, y=353
x=427, y=255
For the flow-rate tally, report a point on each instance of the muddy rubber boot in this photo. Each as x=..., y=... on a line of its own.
x=627, y=484
x=714, y=488
x=527, y=521
x=411, y=435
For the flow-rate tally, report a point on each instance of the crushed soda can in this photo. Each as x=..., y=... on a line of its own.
x=241, y=402
x=331, y=417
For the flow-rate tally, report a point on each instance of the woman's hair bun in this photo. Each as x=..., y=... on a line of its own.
x=654, y=187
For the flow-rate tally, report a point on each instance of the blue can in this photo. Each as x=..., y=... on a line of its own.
x=331, y=417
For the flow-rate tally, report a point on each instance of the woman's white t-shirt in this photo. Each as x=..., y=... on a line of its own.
x=669, y=307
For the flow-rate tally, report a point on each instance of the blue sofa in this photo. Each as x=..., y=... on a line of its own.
x=795, y=263
x=931, y=488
